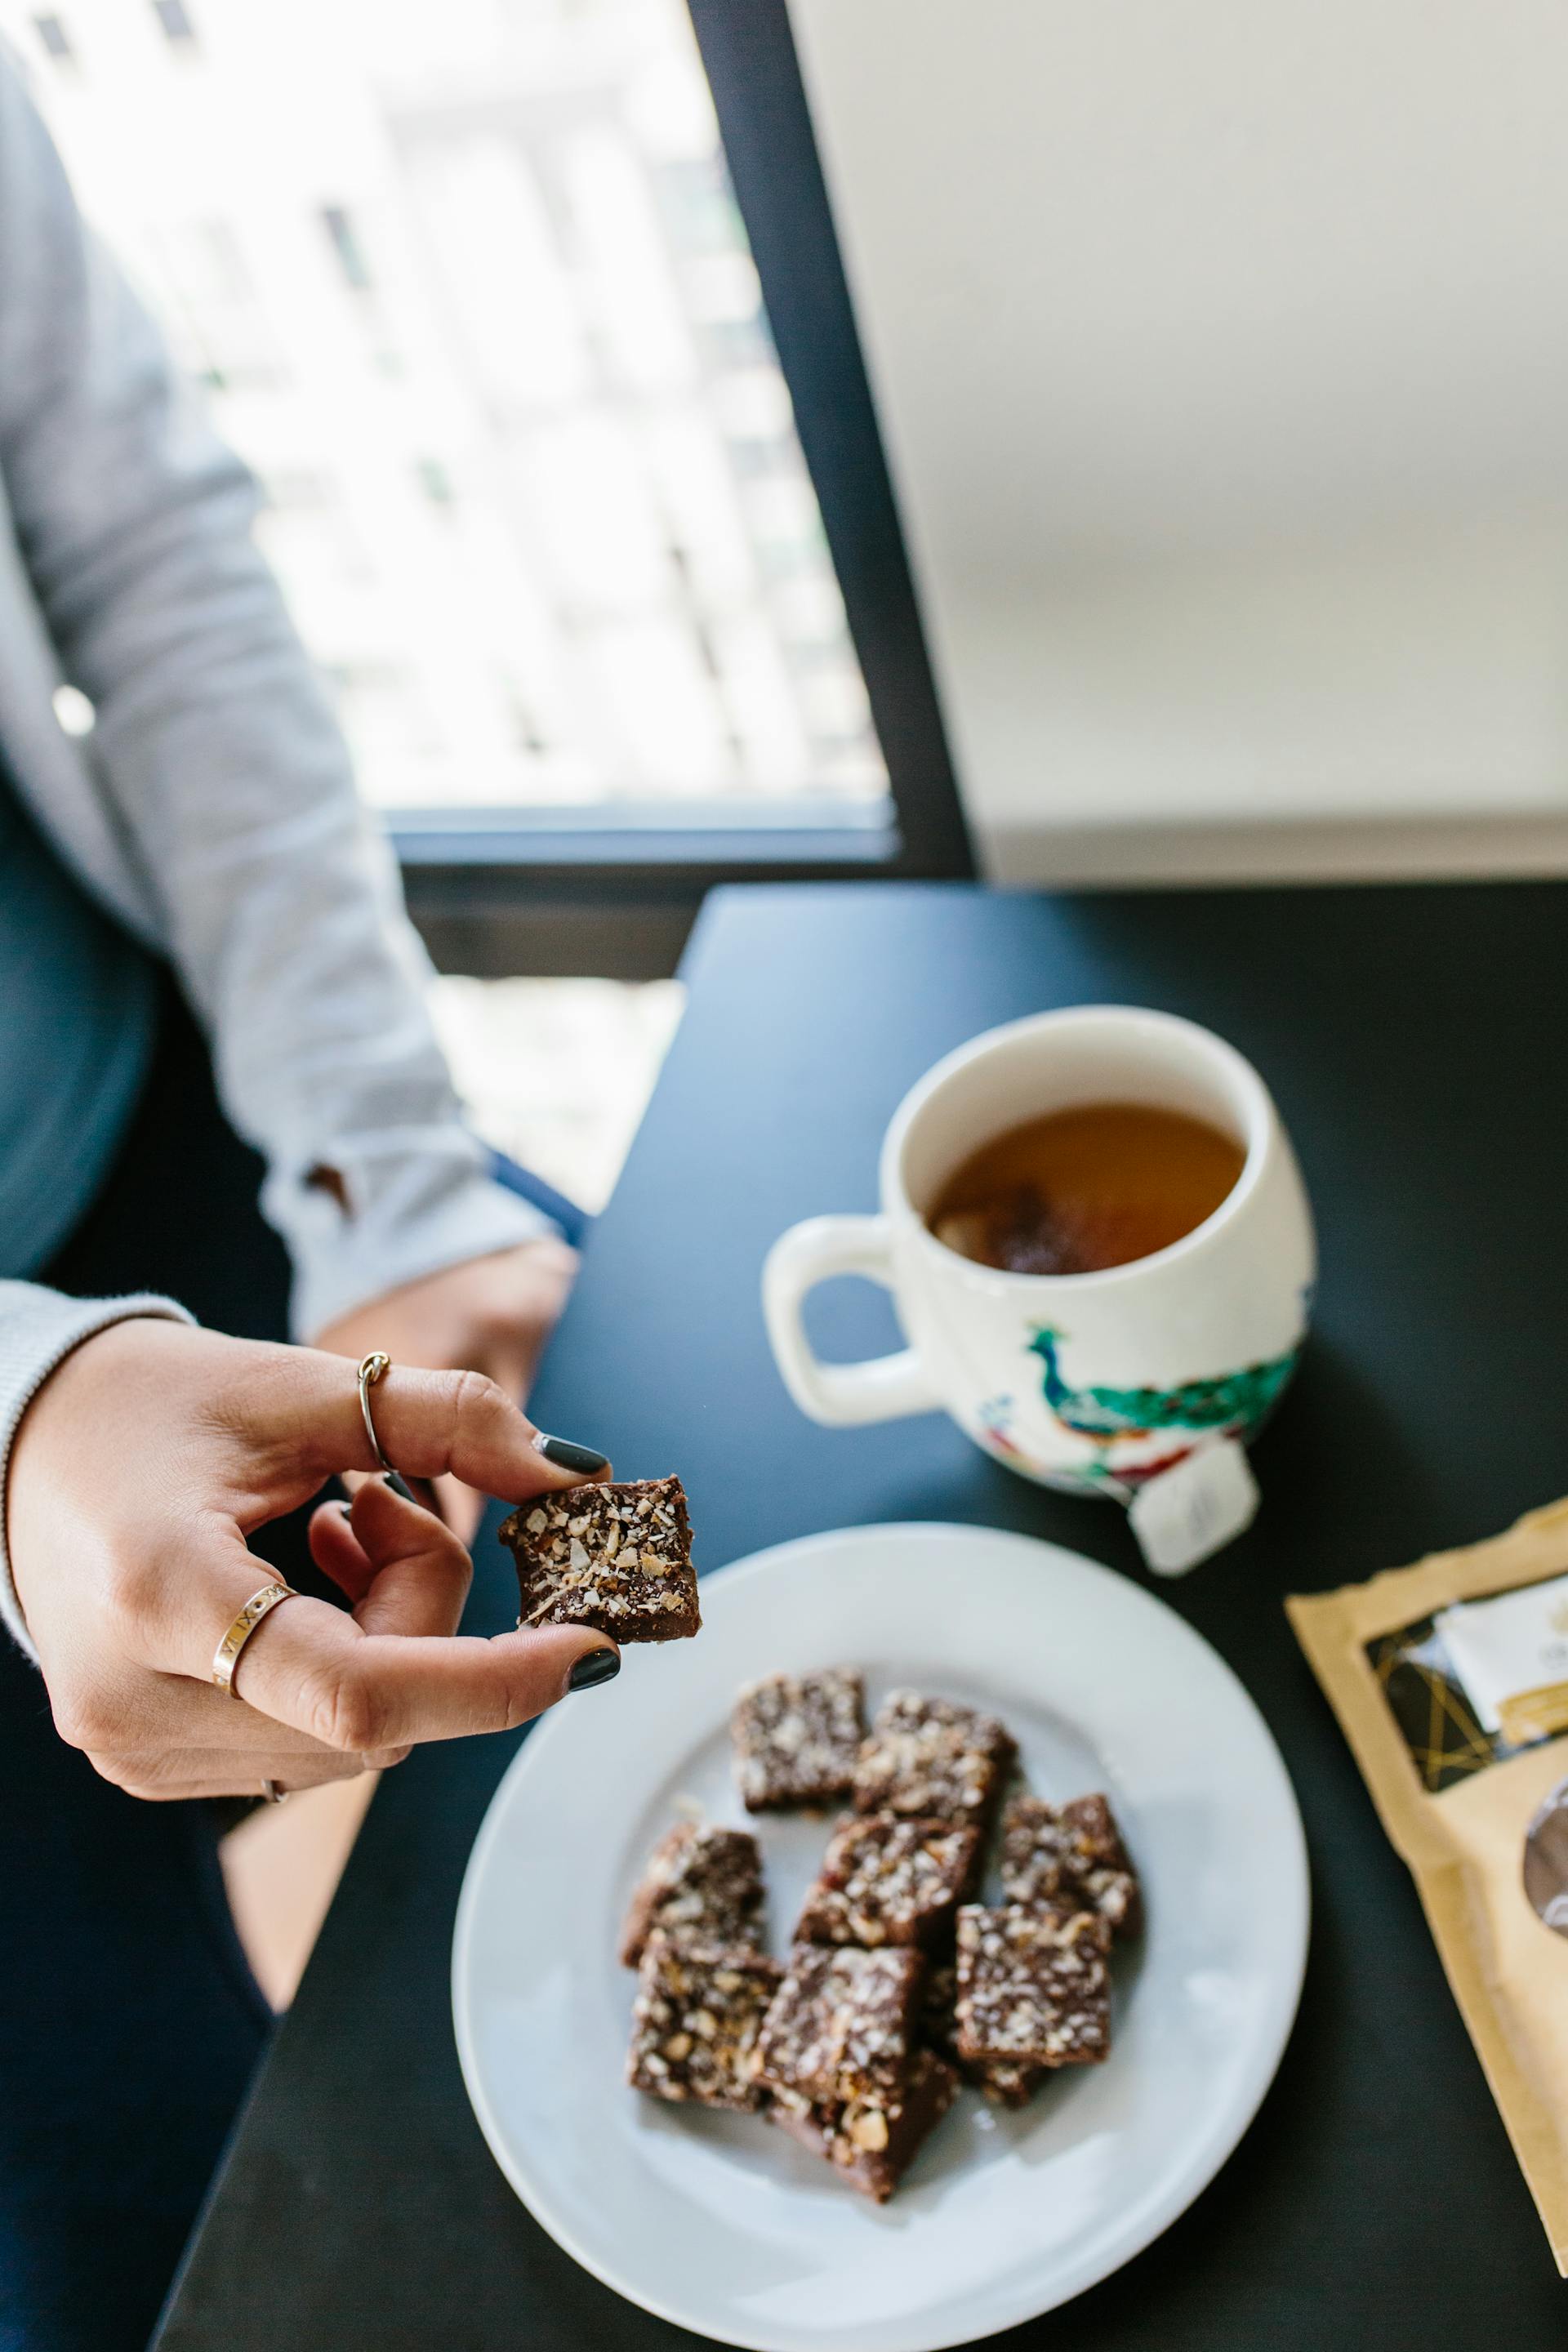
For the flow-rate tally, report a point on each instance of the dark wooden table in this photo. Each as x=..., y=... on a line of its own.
x=1415, y=1040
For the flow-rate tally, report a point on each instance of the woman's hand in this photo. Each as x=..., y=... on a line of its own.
x=141, y=1466
x=490, y=1315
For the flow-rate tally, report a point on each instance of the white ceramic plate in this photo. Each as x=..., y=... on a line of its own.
x=722, y=2223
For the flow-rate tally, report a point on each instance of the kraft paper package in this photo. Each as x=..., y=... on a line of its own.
x=1450, y=1682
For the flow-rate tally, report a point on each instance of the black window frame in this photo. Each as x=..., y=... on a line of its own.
x=536, y=889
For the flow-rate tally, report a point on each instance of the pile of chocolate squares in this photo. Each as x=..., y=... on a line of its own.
x=898, y=1984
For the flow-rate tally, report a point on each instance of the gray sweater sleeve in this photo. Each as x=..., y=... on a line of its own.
x=39, y=1329
x=222, y=771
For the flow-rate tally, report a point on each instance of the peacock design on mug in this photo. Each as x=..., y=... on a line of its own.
x=1233, y=1403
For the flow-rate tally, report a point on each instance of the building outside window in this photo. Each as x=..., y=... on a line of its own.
x=474, y=271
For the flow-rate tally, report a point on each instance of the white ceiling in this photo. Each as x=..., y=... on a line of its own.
x=1222, y=352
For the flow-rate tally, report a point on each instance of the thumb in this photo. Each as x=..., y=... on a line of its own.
x=402, y=1567
x=310, y=1666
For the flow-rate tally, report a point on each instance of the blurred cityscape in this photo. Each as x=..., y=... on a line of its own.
x=469, y=290
x=558, y=1072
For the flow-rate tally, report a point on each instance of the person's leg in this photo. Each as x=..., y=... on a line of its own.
x=130, y=2024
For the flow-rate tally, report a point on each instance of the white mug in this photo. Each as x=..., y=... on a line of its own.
x=1094, y=1382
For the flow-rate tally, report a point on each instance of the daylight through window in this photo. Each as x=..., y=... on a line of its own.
x=467, y=286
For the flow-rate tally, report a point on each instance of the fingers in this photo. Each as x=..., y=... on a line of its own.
x=403, y=1569
x=428, y=1423
x=165, y=1774
x=321, y=1673
x=392, y=1674
x=198, y=1715
x=338, y=1551
x=460, y=1508
x=168, y=1715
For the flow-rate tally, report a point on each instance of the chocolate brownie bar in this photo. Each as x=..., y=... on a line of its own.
x=797, y=1738
x=695, y=2022
x=888, y=1881
x=1070, y=1856
x=1033, y=1986
x=702, y=1883
x=939, y=2002
x=842, y=2026
x=930, y=1759
x=873, y=2143
x=615, y=1557
x=1004, y=2081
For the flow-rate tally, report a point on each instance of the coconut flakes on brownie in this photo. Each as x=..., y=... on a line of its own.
x=616, y=1557
x=843, y=2026
x=1072, y=1857
x=885, y=1880
x=797, y=1738
x=1004, y=2081
x=695, y=2022
x=1032, y=1988
x=874, y=2140
x=929, y=1759
x=701, y=1884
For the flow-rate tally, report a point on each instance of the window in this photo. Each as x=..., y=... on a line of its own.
x=53, y=35
x=345, y=243
x=214, y=313
x=435, y=481
x=176, y=24
x=495, y=288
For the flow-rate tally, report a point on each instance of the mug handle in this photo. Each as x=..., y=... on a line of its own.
x=843, y=1395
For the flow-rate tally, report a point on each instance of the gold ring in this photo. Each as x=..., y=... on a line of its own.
x=273, y=1793
x=374, y=1368
x=226, y=1657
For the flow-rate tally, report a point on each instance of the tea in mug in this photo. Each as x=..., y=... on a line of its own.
x=1079, y=1189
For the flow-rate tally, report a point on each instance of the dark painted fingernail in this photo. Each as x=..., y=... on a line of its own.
x=400, y=1486
x=567, y=1456
x=594, y=1666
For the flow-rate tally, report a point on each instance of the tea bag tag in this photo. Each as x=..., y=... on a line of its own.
x=1188, y=1513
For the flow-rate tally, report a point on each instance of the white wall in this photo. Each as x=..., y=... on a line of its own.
x=1221, y=347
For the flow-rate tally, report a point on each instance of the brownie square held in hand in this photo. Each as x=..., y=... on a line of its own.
x=617, y=1558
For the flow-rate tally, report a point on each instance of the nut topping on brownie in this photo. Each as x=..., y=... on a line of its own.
x=1071, y=1856
x=842, y=2026
x=929, y=1759
x=1004, y=2081
x=873, y=2143
x=617, y=1558
x=695, y=2022
x=1033, y=1986
x=705, y=1884
x=889, y=1881
x=797, y=1738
